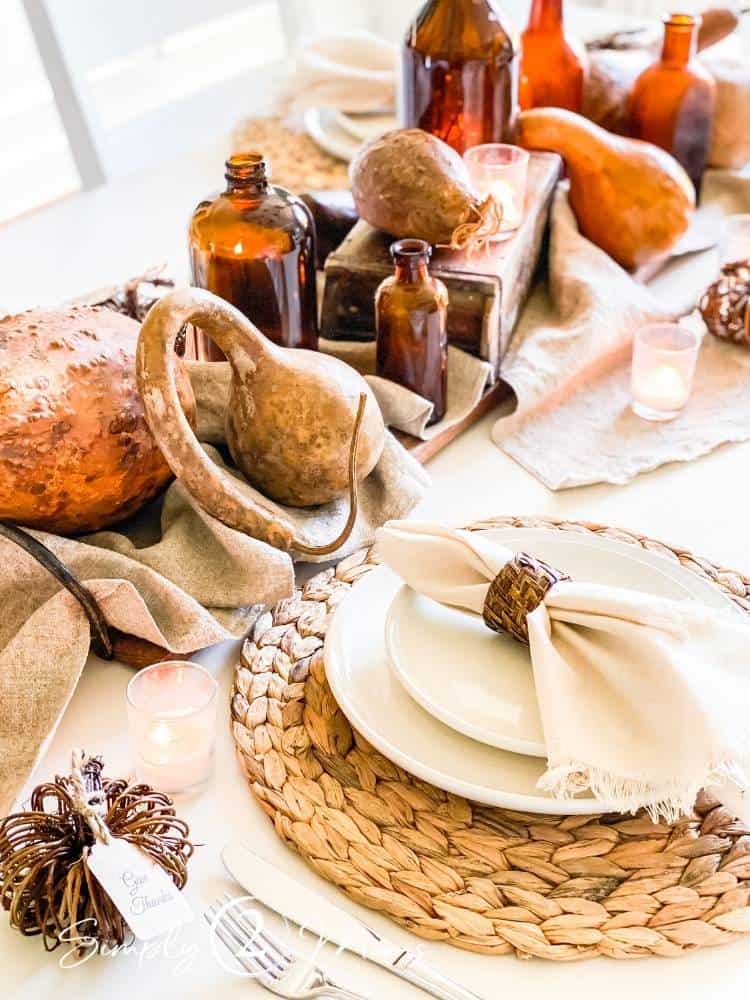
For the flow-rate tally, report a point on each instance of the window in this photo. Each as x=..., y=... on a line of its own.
x=36, y=164
x=134, y=82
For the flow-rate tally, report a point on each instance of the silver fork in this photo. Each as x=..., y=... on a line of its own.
x=264, y=957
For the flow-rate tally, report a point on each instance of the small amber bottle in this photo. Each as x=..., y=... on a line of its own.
x=411, y=310
x=672, y=102
x=254, y=245
x=552, y=65
x=460, y=73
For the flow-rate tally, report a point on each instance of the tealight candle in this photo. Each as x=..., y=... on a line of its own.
x=172, y=722
x=501, y=170
x=664, y=357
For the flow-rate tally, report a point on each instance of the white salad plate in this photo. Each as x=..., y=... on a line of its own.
x=341, y=134
x=481, y=683
x=378, y=705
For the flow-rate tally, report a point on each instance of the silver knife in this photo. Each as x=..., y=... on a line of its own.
x=305, y=908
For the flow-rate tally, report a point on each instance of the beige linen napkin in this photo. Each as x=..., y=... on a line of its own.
x=643, y=700
x=174, y=576
x=404, y=410
x=569, y=361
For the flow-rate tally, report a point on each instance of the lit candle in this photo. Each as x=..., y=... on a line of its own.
x=500, y=170
x=172, y=721
x=664, y=358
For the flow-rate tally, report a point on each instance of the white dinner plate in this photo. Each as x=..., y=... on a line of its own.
x=481, y=683
x=341, y=135
x=323, y=127
x=366, y=126
x=376, y=703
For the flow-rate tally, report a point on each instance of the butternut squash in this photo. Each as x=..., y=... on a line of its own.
x=630, y=198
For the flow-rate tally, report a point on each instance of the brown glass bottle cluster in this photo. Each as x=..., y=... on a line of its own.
x=254, y=245
x=460, y=73
x=411, y=309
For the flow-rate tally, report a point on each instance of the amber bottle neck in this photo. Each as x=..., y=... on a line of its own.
x=546, y=15
x=246, y=173
x=411, y=259
x=680, y=39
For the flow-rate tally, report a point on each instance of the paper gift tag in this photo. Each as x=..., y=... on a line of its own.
x=142, y=891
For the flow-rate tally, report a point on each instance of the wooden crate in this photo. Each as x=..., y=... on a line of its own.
x=486, y=289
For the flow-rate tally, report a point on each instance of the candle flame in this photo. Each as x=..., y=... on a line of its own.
x=161, y=734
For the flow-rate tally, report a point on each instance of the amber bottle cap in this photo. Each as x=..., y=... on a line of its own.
x=246, y=166
x=411, y=248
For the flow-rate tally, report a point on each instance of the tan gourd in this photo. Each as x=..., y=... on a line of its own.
x=303, y=427
x=630, y=198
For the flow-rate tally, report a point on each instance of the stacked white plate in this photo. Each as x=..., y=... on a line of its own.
x=453, y=703
x=342, y=134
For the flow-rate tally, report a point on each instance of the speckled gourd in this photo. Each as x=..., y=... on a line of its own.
x=76, y=454
x=303, y=427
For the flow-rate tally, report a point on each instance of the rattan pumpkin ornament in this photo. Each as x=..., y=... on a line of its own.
x=45, y=882
x=724, y=305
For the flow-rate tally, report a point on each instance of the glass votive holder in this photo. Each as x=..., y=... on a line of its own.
x=172, y=725
x=664, y=357
x=735, y=239
x=498, y=169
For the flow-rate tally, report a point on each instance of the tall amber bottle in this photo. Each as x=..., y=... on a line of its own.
x=672, y=102
x=460, y=73
x=254, y=245
x=411, y=310
x=552, y=65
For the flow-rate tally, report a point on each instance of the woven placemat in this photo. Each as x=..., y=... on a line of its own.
x=485, y=879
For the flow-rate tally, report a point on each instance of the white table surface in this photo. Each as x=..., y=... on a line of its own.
x=119, y=230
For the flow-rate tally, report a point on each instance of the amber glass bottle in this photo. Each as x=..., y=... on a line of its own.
x=552, y=65
x=254, y=245
x=672, y=102
x=411, y=310
x=460, y=73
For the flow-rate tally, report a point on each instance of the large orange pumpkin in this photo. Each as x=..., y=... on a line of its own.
x=76, y=454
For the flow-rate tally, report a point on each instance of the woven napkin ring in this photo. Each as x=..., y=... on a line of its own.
x=517, y=590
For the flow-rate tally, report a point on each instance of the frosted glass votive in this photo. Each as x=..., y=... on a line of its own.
x=501, y=170
x=172, y=725
x=664, y=358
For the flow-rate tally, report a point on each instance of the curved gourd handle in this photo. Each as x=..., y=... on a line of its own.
x=215, y=489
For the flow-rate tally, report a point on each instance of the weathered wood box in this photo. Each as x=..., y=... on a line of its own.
x=487, y=289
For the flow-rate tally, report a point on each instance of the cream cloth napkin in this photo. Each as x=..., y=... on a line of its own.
x=404, y=410
x=349, y=71
x=643, y=700
x=569, y=361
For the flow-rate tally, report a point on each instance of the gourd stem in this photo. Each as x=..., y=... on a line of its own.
x=324, y=550
x=100, y=637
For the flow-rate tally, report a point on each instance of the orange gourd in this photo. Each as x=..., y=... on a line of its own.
x=630, y=198
x=76, y=454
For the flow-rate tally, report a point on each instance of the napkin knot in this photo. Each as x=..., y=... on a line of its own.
x=517, y=590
